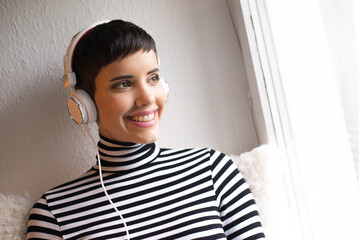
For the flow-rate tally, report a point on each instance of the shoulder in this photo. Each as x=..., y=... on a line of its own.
x=42, y=224
x=42, y=215
x=83, y=179
x=41, y=209
x=212, y=153
x=43, y=206
x=224, y=170
x=214, y=158
x=170, y=153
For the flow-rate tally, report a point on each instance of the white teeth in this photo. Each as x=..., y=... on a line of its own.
x=152, y=116
x=144, y=118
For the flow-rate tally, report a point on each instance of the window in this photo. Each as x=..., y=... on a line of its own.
x=341, y=24
x=287, y=55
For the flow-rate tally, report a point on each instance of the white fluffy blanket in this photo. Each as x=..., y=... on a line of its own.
x=259, y=167
x=14, y=211
x=262, y=171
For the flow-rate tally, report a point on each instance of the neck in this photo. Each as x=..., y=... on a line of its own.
x=103, y=129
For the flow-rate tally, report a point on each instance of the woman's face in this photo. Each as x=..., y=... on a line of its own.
x=130, y=98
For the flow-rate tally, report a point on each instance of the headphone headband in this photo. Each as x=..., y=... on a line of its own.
x=79, y=104
x=71, y=49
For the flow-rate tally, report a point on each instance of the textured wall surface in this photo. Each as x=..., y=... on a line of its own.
x=200, y=58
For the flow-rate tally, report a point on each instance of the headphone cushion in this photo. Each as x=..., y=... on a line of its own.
x=165, y=86
x=81, y=107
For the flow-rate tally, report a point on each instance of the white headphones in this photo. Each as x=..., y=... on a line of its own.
x=80, y=106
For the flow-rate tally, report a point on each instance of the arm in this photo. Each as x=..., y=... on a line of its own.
x=237, y=207
x=42, y=224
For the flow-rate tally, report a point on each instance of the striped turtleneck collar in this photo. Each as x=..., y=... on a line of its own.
x=120, y=156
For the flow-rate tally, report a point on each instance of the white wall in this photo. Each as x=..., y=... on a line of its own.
x=201, y=59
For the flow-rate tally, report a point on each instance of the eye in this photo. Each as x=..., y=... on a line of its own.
x=154, y=78
x=122, y=85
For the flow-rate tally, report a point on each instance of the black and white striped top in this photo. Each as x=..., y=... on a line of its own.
x=161, y=193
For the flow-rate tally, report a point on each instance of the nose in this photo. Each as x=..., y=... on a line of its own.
x=145, y=95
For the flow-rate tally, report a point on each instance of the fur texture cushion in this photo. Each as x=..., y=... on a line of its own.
x=14, y=211
x=262, y=171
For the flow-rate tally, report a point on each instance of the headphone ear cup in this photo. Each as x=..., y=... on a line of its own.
x=81, y=107
x=165, y=87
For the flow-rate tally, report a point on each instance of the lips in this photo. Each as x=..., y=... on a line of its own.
x=143, y=119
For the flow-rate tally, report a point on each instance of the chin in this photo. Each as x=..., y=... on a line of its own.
x=144, y=137
x=147, y=139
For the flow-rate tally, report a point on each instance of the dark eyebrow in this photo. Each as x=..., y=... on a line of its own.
x=122, y=77
x=153, y=70
x=131, y=76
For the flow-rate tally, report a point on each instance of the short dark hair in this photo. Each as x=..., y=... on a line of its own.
x=105, y=44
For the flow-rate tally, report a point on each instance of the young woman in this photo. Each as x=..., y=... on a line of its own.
x=136, y=190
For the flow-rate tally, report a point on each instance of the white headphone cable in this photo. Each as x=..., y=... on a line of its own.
x=102, y=183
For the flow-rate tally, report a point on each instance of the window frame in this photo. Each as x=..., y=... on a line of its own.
x=273, y=117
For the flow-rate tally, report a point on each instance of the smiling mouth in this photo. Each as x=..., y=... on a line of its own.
x=143, y=118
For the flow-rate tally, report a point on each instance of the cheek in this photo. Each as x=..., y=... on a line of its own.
x=164, y=96
x=113, y=107
x=161, y=100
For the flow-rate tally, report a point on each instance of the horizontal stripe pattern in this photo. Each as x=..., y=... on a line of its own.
x=170, y=194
